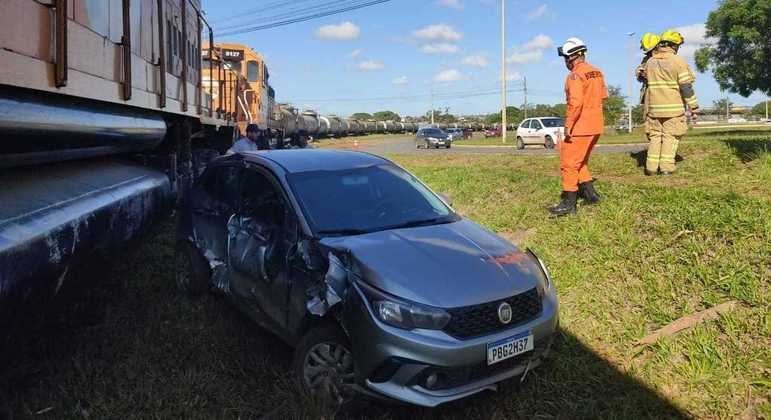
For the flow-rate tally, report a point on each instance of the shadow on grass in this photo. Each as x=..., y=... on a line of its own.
x=748, y=150
x=132, y=348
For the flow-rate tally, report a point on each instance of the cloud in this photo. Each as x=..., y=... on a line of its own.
x=343, y=31
x=478, y=60
x=441, y=48
x=539, y=42
x=438, y=32
x=537, y=13
x=695, y=37
x=531, y=51
x=450, y=75
x=453, y=4
x=511, y=76
x=400, y=81
x=371, y=65
x=354, y=53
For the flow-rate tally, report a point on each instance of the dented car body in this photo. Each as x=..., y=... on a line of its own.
x=381, y=288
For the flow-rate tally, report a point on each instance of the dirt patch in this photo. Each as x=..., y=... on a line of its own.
x=519, y=236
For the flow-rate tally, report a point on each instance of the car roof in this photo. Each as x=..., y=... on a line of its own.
x=307, y=160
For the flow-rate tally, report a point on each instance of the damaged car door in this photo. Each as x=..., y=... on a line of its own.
x=212, y=205
x=260, y=236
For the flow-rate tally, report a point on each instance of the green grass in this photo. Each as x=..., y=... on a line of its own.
x=656, y=249
x=636, y=136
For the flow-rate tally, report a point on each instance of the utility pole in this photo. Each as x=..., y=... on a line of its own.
x=503, y=70
x=524, y=106
x=432, y=104
x=631, y=82
x=766, y=108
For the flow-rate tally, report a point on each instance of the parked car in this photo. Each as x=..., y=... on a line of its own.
x=432, y=138
x=378, y=285
x=493, y=132
x=544, y=131
x=455, y=133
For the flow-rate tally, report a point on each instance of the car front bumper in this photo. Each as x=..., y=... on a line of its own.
x=395, y=363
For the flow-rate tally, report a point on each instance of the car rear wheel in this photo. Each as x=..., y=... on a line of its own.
x=548, y=142
x=323, y=364
x=520, y=143
x=192, y=273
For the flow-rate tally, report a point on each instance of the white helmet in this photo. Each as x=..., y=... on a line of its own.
x=570, y=47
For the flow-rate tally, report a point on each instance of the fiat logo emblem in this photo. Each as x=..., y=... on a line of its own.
x=504, y=313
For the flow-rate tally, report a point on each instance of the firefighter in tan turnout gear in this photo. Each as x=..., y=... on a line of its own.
x=648, y=44
x=669, y=91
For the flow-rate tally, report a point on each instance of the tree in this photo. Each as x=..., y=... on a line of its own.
x=638, y=117
x=614, y=107
x=559, y=110
x=386, y=116
x=742, y=56
x=759, y=109
x=513, y=116
x=361, y=116
x=719, y=106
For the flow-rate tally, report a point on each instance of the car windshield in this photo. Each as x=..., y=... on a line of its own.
x=363, y=200
x=432, y=132
x=553, y=122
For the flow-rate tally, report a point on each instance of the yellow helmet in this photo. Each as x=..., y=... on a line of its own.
x=649, y=41
x=672, y=36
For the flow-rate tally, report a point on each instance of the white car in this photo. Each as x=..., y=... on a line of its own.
x=543, y=131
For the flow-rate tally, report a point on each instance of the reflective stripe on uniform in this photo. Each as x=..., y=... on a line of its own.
x=667, y=159
x=669, y=83
x=667, y=107
x=685, y=77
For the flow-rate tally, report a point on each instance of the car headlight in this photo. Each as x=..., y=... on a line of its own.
x=545, y=279
x=403, y=314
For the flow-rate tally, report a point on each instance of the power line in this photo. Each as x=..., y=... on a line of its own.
x=264, y=7
x=290, y=14
x=303, y=18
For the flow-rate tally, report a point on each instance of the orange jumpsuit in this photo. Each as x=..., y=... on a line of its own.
x=585, y=91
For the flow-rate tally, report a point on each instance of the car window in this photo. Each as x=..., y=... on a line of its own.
x=260, y=199
x=376, y=198
x=553, y=122
x=221, y=184
x=525, y=124
x=535, y=124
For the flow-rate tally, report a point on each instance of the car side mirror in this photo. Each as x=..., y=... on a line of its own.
x=445, y=198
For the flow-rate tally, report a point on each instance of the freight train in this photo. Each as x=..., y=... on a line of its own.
x=108, y=112
x=105, y=109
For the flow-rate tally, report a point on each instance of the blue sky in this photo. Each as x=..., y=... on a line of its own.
x=391, y=56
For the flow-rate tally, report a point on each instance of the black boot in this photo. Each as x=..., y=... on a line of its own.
x=587, y=192
x=567, y=204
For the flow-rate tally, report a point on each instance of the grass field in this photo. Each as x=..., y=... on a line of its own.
x=655, y=250
x=636, y=136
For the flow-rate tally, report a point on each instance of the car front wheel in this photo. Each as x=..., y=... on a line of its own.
x=520, y=143
x=323, y=364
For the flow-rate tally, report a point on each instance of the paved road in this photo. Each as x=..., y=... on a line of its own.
x=406, y=145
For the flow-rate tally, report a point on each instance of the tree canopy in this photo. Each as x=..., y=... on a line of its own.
x=386, y=116
x=759, y=109
x=361, y=116
x=741, y=59
x=614, y=107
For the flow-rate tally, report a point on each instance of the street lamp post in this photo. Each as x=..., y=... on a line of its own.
x=631, y=81
x=503, y=70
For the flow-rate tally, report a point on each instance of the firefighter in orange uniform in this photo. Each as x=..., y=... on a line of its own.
x=585, y=91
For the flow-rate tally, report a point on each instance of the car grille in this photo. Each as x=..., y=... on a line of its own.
x=455, y=377
x=477, y=320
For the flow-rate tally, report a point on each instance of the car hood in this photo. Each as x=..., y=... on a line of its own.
x=447, y=265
